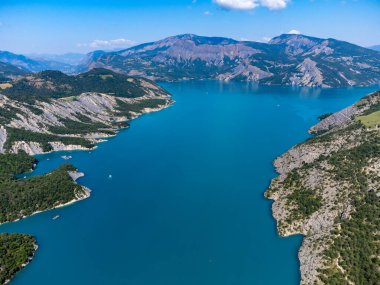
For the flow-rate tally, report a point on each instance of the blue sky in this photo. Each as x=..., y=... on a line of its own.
x=53, y=26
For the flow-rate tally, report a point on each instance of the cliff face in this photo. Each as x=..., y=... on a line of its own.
x=325, y=191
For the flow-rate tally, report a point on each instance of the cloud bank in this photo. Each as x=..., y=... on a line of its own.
x=108, y=44
x=294, y=32
x=252, y=4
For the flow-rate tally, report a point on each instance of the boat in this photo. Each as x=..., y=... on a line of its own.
x=66, y=157
x=55, y=217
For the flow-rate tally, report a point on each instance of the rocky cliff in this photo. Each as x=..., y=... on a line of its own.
x=327, y=190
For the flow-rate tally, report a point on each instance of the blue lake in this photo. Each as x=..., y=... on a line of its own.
x=185, y=202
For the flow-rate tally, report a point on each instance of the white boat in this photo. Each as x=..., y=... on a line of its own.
x=55, y=217
x=66, y=157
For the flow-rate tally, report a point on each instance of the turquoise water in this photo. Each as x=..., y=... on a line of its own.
x=185, y=202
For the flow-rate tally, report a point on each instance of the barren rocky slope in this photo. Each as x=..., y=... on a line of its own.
x=50, y=111
x=285, y=60
x=328, y=190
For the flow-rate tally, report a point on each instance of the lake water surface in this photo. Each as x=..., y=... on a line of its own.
x=185, y=203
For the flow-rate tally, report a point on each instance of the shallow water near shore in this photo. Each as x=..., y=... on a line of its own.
x=184, y=203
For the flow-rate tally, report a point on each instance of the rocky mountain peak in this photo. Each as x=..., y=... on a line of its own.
x=296, y=44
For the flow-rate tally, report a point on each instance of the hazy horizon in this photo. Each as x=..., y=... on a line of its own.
x=42, y=54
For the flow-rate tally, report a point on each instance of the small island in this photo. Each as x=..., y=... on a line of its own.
x=328, y=190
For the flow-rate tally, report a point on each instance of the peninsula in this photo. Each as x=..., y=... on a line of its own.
x=328, y=191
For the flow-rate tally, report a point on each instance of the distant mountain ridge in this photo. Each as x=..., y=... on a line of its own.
x=34, y=65
x=286, y=60
x=377, y=47
x=10, y=72
x=68, y=58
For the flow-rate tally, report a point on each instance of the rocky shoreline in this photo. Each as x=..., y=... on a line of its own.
x=314, y=194
x=113, y=113
x=75, y=174
x=94, y=107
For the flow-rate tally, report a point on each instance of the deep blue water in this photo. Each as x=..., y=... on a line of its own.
x=185, y=202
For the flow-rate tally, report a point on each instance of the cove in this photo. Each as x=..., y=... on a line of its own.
x=185, y=201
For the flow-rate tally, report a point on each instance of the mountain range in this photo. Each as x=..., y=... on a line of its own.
x=9, y=71
x=68, y=58
x=29, y=64
x=285, y=60
x=377, y=47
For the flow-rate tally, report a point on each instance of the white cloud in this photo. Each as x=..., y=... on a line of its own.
x=252, y=4
x=108, y=44
x=207, y=13
x=262, y=40
x=294, y=32
x=274, y=4
x=237, y=4
x=266, y=39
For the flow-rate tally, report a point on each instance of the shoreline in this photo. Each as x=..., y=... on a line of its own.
x=30, y=259
x=87, y=194
x=103, y=137
x=76, y=175
x=312, y=168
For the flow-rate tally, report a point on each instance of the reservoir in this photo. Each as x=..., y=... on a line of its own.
x=178, y=197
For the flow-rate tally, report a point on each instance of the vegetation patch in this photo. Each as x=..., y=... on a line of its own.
x=356, y=246
x=47, y=85
x=22, y=197
x=306, y=202
x=105, y=76
x=349, y=164
x=15, y=251
x=5, y=86
x=125, y=109
x=13, y=164
x=75, y=127
x=370, y=121
x=324, y=116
